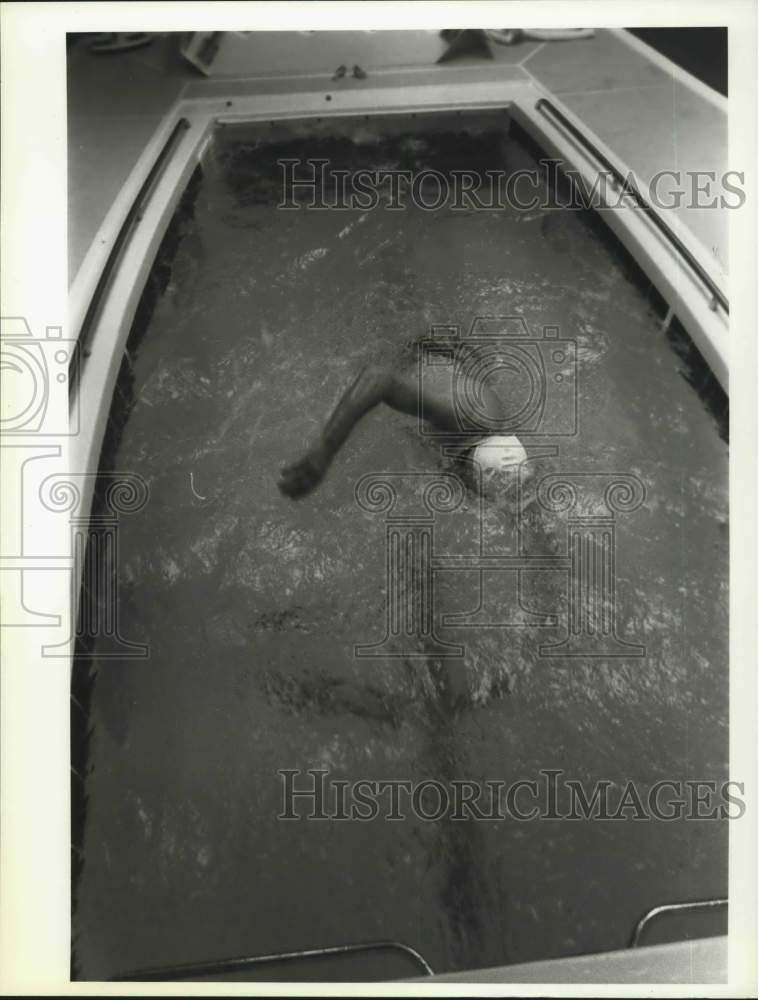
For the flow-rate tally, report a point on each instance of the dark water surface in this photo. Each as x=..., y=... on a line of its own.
x=251, y=603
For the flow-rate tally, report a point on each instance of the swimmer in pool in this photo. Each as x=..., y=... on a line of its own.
x=398, y=387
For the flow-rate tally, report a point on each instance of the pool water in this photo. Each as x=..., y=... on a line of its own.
x=255, y=321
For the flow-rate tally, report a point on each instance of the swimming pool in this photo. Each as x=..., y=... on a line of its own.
x=254, y=320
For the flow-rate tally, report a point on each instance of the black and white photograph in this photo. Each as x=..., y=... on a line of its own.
x=368, y=498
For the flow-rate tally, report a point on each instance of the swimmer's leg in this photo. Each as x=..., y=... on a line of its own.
x=374, y=385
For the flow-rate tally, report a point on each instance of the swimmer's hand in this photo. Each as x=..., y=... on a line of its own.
x=298, y=479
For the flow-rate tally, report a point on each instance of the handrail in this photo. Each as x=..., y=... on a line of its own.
x=627, y=185
x=657, y=911
x=220, y=966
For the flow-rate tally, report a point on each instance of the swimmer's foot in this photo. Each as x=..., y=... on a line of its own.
x=301, y=477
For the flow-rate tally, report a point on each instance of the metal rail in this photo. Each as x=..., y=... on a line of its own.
x=628, y=187
x=167, y=973
x=697, y=906
x=133, y=217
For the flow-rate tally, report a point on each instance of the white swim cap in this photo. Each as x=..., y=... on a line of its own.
x=497, y=460
x=499, y=454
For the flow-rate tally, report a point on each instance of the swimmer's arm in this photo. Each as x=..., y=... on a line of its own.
x=398, y=389
x=371, y=387
x=374, y=385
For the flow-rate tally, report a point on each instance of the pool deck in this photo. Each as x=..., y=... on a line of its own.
x=620, y=89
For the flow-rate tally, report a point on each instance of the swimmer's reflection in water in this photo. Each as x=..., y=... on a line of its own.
x=490, y=457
